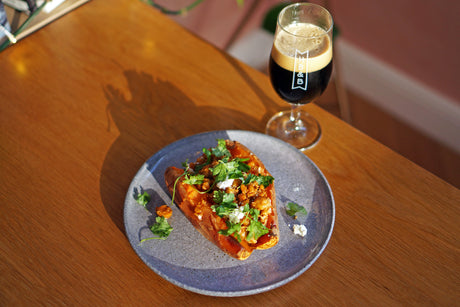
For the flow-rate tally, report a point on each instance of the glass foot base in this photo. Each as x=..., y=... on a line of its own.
x=302, y=133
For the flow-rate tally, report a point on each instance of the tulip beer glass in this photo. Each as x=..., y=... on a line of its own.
x=300, y=68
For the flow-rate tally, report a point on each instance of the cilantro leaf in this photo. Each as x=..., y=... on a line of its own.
x=241, y=165
x=256, y=229
x=143, y=199
x=265, y=180
x=186, y=165
x=228, y=198
x=229, y=169
x=225, y=203
x=208, y=154
x=232, y=229
x=292, y=209
x=193, y=179
x=220, y=171
x=161, y=228
x=221, y=149
x=218, y=196
x=260, y=179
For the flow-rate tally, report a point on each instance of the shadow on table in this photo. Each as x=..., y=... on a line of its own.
x=271, y=107
x=150, y=107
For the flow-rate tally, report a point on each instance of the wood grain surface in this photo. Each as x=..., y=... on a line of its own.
x=87, y=99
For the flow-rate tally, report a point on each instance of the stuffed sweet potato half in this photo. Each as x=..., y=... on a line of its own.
x=229, y=197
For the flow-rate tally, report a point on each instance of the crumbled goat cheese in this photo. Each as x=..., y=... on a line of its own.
x=236, y=215
x=300, y=230
x=225, y=184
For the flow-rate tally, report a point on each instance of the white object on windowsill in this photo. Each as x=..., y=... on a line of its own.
x=253, y=48
x=50, y=6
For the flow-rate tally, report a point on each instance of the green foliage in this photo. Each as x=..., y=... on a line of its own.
x=270, y=20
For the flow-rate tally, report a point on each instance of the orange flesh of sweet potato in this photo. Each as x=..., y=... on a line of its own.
x=197, y=208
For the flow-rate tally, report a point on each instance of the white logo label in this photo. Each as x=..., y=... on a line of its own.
x=299, y=74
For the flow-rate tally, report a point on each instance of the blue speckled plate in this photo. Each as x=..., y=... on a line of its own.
x=188, y=260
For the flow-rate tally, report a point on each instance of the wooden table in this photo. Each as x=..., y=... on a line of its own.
x=86, y=100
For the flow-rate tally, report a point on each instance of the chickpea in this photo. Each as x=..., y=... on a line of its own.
x=164, y=211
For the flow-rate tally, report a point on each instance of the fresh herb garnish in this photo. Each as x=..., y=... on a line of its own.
x=293, y=209
x=222, y=198
x=161, y=228
x=256, y=229
x=260, y=179
x=221, y=149
x=226, y=169
x=194, y=179
x=186, y=165
x=143, y=199
x=225, y=203
x=232, y=229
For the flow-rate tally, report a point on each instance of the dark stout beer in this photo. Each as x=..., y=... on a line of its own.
x=282, y=83
x=300, y=68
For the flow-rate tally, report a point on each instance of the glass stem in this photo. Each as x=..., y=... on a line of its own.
x=296, y=123
x=294, y=117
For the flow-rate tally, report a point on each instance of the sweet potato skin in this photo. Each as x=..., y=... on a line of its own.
x=197, y=208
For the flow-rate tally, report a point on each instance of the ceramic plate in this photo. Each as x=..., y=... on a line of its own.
x=188, y=260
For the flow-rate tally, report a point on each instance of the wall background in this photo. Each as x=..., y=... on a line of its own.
x=419, y=38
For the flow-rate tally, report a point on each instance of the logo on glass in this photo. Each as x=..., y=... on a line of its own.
x=299, y=73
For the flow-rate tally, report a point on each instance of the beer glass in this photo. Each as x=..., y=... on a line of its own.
x=300, y=68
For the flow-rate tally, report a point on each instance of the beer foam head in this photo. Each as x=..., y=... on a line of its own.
x=302, y=47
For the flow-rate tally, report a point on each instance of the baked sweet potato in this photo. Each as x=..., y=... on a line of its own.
x=229, y=197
